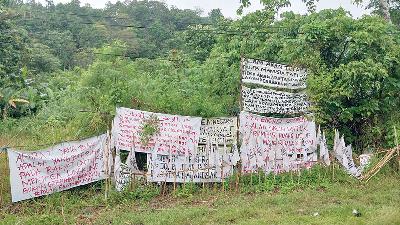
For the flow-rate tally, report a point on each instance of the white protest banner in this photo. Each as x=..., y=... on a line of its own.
x=123, y=171
x=177, y=134
x=274, y=144
x=273, y=74
x=351, y=166
x=270, y=101
x=182, y=169
x=323, y=150
x=219, y=130
x=344, y=154
x=58, y=168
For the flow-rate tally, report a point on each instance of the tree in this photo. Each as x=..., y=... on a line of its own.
x=388, y=9
x=215, y=15
x=12, y=47
x=353, y=65
x=275, y=5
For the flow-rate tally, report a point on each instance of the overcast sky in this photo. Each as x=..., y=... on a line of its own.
x=229, y=7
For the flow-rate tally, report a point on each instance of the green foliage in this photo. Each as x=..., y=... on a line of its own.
x=150, y=128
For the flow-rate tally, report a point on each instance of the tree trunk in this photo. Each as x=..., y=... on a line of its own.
x=385, y=10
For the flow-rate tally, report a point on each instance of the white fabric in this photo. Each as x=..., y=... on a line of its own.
x=58, y=168
x=178, y=134
x=324, y=153
x=344, y=154
x=319, y=135
x=277, y=139
x=273, y=74
x=219, y=130
x=270, y=101
x=236, y=156
x=122, y=173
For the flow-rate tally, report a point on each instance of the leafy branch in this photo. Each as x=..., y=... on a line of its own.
x=151, y=127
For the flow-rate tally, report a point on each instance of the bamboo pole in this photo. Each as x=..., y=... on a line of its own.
x=62, y=210
x=222, y=176
x=175, y=180
x=1, y=194
x=397, y=144
x=107, y=151
x=379, y=168
x=389, y=155
x=2, y=181
x=237, y=179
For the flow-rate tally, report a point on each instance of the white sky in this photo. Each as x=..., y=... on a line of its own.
x=229, y=7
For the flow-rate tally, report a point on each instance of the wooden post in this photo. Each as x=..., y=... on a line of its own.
x=239, y=165
x=134, y=182
x=397, y=146
x=298, y=180
x=241, y=84
x=291, y=175
x=239, y=168
x=209, y=149
x=175, y=180
x=2, y=181
x=237, y=180
x=251, y=178
x=62, y=209
x=107, y=153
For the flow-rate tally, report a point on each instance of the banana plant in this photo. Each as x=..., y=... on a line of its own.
x=9, y=99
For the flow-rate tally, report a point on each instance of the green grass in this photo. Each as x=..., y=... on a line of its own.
x=286, y=199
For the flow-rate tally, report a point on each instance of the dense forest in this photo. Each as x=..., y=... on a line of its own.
x=65, y=67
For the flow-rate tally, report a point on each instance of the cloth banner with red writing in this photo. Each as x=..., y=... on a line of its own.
x=58, y=168
x=277, y=144
x=177, y=135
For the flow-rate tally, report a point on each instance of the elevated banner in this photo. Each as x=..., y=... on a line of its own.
x=277, y=144
x=270, y=74
x=270, y=101
x=58, y=168
x=177, y=134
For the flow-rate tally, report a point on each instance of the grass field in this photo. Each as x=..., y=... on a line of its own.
x=273, y=200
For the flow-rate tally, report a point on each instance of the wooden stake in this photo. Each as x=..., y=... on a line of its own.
x=62, y=209
x=291, y=175
x=397, y=144
x=134, y=182
x=107, y=151
x=1, y=194
x=175, y=180
x=299, y=175
x=237, y=182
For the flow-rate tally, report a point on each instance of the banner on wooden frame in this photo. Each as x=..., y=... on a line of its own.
x=58, y=168
x=277, y=144
x=176, y=134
